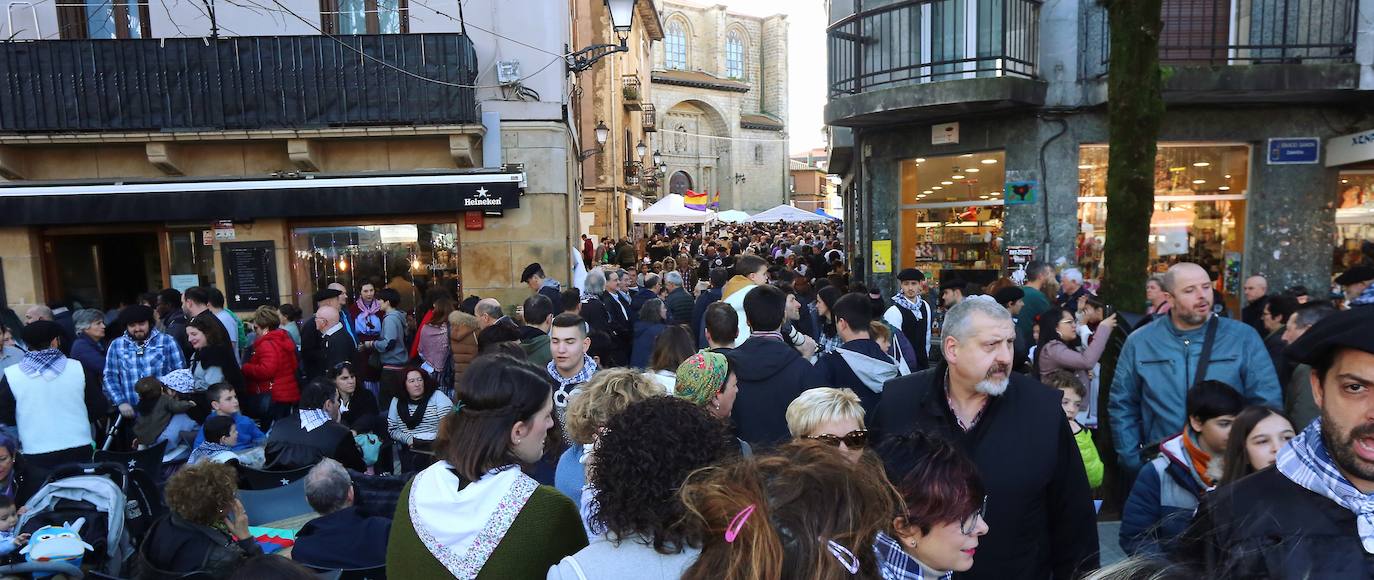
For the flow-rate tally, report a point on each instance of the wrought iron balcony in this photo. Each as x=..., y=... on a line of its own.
x=648, y=117
x=1240, y=32
x=197, y=84
x=921, y=41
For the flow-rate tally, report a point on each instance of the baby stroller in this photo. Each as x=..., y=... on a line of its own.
x=117, y=503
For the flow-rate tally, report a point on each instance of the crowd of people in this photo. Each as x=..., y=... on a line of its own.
x=727, y=403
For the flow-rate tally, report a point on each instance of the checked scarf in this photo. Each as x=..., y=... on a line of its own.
x=901, y=300
x=48, y=363
x=1306, y=462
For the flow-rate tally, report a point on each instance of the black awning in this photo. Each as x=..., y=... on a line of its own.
x=246, y=200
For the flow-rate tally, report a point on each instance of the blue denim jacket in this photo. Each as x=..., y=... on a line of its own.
x=1149, y=390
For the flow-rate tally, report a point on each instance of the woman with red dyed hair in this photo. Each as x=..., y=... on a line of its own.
x=937, y=533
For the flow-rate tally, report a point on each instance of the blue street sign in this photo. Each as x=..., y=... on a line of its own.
x=1296, y=151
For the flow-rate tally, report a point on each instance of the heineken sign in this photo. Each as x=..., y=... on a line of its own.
x=491, y=198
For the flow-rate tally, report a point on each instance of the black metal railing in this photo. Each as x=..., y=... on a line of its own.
x=181, y=84
x=648, y=116
x=920, y=41
x=1243, y=32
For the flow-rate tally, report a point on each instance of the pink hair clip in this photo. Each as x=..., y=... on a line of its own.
x=737, y=524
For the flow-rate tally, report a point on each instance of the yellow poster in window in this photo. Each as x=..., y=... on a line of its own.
x=882, y=256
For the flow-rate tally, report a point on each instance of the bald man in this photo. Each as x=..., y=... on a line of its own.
x=1160, y=362
x=335, y=346
x=341, y=302
x=1256, y=291
x=488, y=311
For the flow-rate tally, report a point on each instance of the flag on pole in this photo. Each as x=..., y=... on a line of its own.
x=715, y=200
x=695, y=200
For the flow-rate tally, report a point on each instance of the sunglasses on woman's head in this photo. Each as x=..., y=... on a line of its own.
x=856, y=439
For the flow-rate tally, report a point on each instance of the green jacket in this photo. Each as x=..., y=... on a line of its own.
x=1091, y=462
x=537, y=351
x=547, y=529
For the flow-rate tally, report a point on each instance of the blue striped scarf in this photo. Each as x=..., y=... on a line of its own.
x=1306, y=462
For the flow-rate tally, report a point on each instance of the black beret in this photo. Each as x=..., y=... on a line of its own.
x=1346, y=329
x=326, y=294
x=1355, y=275
x=531, y=270
x=1008, y=295
x=910, y=274
x=40, y=334
x=952, y=284
x=135, y=314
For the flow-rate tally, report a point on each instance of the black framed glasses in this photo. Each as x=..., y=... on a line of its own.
x=856, y=439
x=970, y=523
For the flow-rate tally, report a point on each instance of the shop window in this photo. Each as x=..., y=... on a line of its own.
x=1199, y=213
x=410, y=258
x=1354, y=218
x=190, y=258
x=951, y=215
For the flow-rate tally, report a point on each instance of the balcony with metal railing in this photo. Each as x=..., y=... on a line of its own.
x=908, y=59
x=1243, y=49
x=239, y=83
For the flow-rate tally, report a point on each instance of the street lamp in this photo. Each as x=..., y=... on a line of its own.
x=658, y=158
x=622, y=16
x=602, y=133
x=640, y=149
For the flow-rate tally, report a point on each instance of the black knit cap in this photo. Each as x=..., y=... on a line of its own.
x=135, y=314
x=40, y=333
x=1347, y=329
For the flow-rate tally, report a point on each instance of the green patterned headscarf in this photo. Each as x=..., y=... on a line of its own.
x=701, y=376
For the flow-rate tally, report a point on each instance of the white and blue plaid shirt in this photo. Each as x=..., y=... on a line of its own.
x=895, y=564
x=127, y=361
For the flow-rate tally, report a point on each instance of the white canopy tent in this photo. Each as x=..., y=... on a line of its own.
x=672, y=210
x=786, y=213
x=733, y=216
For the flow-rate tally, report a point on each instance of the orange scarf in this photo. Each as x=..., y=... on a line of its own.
x=1198, y=457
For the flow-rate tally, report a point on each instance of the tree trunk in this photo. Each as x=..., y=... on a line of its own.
x=1135, y=108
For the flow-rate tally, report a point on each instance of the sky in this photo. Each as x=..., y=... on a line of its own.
x=805, y=65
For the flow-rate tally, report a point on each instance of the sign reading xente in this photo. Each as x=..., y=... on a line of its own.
x=490, y=198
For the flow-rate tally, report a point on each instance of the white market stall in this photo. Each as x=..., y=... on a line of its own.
x=732, y=216
x=672, y=210
x=786, y=213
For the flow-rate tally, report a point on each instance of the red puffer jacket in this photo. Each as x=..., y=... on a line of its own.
x=272, y=368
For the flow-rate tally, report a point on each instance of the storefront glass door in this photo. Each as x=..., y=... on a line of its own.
x=407, y=257
x=1199, y=217
x=951, y=215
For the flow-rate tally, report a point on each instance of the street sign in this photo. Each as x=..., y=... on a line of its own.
x=1295, y=151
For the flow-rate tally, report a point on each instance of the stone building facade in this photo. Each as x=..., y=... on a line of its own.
x=615, y=91
x=347, y=157
x=720, y=87
x=995, y=137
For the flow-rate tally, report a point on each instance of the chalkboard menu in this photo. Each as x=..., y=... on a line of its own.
x=250, y=274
